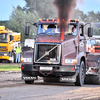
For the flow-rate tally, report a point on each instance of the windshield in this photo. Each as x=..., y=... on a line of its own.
x=53, y=29
x=3, y=37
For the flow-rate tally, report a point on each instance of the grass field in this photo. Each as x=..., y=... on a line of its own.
x=10, y=68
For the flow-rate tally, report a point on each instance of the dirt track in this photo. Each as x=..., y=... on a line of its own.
x=13, y=88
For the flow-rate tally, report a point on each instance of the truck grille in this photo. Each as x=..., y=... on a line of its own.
x=47, y=53
x=2, y=48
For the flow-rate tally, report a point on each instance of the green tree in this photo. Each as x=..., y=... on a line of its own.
x=4, y=23
x=31, y=13
x=78, y=14
x=44, y=8
x=98, y=16
x=89, y=17
x=95, y=30
x=92, y=17
x=19, y=19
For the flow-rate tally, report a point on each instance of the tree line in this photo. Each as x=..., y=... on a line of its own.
x=36, y=9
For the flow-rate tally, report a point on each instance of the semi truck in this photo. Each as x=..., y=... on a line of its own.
x=8, y=42
x=75, y=59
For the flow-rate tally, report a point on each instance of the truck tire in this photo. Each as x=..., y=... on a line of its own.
x=81, y=76
x=51, y=79
x=93, y=79
x=29, y=81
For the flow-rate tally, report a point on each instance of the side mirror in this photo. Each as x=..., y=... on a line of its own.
x=27, y=30
x=90, y=32
x=35, y=24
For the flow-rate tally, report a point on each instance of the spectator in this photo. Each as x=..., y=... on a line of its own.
x=18, y=51
x=73, y=29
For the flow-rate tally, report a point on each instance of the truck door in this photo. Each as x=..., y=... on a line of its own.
x=81, y=39
x=11, y=46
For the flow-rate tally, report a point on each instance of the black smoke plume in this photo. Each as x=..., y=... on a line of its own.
x=65, y=11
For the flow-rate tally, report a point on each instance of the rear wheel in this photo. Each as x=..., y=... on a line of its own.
x=29, y=81
x=81, y=76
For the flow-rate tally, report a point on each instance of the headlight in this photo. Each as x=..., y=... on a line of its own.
x=70, y=61
x=5, y=54
x=26, y=59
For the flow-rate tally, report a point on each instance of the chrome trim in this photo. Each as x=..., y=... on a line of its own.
x=47, y=53
x=58, y=46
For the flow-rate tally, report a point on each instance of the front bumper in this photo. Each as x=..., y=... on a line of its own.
x=57, y=70
x=5, y=55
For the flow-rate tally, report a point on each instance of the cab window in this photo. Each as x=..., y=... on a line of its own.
x=10, y=35
x=81, y=30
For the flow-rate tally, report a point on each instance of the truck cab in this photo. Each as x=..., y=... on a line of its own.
x=55, y=59
x=7, y=40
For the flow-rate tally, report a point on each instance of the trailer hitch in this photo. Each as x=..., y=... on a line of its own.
x=46, y=74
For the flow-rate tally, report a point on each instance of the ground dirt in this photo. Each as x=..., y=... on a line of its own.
x=12, y=87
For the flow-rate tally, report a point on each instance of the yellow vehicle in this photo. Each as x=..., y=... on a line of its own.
x=8, y=41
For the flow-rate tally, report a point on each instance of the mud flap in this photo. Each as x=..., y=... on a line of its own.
x=27, y=77
x=68, y=79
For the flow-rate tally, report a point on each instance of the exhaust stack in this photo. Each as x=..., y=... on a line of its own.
x=62, y=33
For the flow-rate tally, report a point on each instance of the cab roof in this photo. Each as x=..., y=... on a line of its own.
x=56, y=21
x=3, y=30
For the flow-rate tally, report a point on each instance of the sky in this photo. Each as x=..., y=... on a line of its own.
x=89, y=5
x=6, y=7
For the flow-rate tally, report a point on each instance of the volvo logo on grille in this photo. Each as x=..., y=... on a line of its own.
x=46, y=53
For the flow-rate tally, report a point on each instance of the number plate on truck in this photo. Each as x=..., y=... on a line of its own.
x=45, y=68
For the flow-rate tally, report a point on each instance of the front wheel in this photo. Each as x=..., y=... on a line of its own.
x=81, y=76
